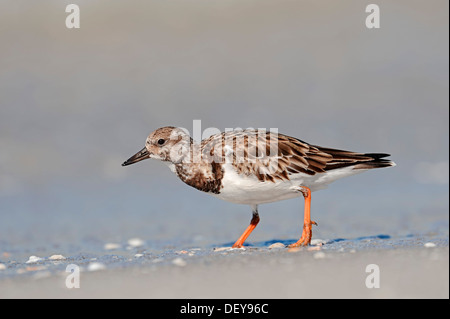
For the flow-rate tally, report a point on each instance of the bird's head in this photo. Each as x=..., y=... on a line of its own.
x=166, y=144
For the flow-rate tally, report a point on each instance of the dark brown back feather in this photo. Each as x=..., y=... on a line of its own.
x=292, y=156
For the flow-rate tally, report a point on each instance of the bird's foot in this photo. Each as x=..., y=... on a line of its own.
x=305, y=240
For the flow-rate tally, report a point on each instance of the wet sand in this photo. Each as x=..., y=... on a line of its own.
x=409, y=267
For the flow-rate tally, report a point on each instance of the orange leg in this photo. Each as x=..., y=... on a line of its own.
x=307, y=224
x=253, y=223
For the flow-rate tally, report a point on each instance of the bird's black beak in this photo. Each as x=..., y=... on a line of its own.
x=139, y=156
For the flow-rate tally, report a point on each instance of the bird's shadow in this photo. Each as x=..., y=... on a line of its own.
x=286, y=242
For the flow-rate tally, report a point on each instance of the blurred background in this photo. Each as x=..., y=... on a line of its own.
x=76, y=103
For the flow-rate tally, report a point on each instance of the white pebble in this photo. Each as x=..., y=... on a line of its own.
x=57, y=257
x=2, y=266
x=319, y=255
x=430, y=245
x=179, y=262
x=94, y=266
x=135, y=242
x=111, y=246
x=33, y=259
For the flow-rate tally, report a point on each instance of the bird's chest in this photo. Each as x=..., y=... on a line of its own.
x=204, y=177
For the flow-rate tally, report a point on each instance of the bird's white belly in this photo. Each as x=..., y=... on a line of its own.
x=242, y=189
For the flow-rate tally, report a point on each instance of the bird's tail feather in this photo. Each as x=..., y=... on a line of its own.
x=377, y=162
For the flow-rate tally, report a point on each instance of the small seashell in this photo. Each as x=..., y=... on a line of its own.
x=318, y=242
x=33, y=259
x=222, y=248
x=277, y=245
x=57, y=257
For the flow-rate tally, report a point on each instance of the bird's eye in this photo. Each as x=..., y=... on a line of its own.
x=161, y=141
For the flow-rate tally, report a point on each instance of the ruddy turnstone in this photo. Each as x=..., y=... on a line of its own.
x=255, y=167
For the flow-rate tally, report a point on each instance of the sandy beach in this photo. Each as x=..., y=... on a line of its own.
x=418, y=269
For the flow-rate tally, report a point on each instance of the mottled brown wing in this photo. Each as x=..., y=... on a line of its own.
x=269, y=156
x=272, y=156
